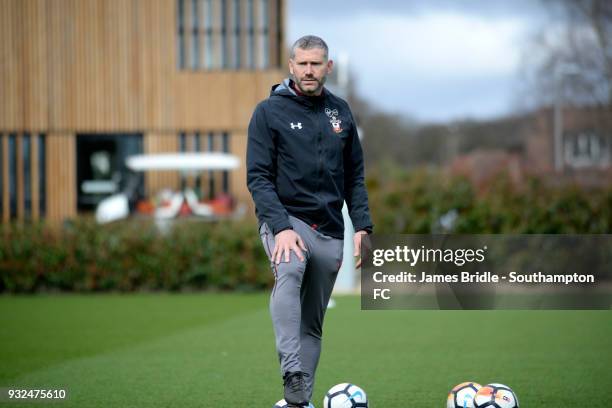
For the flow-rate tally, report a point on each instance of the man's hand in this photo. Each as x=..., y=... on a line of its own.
x=284, y=242
x=357, y=245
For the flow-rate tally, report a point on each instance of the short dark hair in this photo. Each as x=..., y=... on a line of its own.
x=309, y=42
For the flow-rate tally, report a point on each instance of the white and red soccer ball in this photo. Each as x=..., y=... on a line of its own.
x=473, y=395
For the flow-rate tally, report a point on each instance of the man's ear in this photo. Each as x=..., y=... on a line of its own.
x=290, y=66
x=330, y=66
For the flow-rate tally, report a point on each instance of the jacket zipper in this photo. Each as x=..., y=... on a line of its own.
x=318, y=111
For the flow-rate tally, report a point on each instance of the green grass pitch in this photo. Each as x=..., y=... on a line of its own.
x=216, y=350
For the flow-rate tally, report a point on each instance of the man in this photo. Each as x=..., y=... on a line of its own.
x=304, y=160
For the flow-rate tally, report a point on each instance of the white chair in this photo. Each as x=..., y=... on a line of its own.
x=112, y=208
x=171, y=210
x=198, y=208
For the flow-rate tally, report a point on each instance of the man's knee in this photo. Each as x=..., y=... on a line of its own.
x=292, y=270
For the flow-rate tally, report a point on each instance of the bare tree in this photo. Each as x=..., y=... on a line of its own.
x=571, y=57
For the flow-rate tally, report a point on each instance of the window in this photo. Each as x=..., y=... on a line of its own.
x=101, y=169
x=223, y=17
x=235, y=34
x=278, y=32
x=197, y=148
x=26, y=149
x=212, y=182
x=12, y=169
x=211, y=174
x=42, y=179
x=225, y=149
x=250, y=29
x=181, y=33
x=212, y=34
x=22, y=169
x=586, y=149
x=263, y=40
x=208, y=30
x=195, y=35
x=182, y=149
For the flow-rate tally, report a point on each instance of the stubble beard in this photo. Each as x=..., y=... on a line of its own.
x=308, y=92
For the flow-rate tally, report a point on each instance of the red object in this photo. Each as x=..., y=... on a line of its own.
x=222, y=204
x=185, y=210
x=145, y=207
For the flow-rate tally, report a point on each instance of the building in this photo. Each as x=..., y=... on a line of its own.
x=85, y=83
x=576, y=147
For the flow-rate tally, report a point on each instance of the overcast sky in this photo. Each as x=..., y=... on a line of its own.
x=434, y=60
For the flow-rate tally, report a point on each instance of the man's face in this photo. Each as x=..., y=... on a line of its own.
x=309, y=70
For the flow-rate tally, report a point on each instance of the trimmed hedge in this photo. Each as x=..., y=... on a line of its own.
x=131, y=255
x=412, y=202
x=135, y=255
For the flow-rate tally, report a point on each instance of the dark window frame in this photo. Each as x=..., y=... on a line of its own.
x=211, y=173
x=225, y=149
x=42, y=179
x=195, y=37
x=181, y=49
x=12, y=176
x=26, y=161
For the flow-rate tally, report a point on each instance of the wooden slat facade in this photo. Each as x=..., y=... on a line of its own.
x=61, y=175
x=110, y=66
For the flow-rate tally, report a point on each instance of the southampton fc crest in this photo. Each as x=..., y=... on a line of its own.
x=333, y=119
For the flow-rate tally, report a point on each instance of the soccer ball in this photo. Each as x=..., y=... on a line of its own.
x=495, y=396
x=283, y=404
x=345, y=395
x=462, y=395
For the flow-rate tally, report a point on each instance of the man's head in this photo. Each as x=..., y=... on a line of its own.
x=309, y=64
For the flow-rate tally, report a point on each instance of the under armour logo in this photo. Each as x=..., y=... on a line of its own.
x=298, y=125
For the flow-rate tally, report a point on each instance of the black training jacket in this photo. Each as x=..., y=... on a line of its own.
x=304, y=159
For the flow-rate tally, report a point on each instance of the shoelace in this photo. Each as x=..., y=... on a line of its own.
x=296, y=381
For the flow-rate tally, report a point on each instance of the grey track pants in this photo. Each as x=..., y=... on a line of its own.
x=300, y=296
